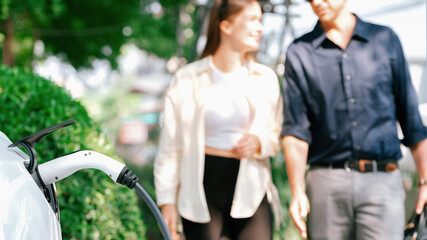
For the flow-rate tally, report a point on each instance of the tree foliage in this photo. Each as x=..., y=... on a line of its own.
x=81, y=31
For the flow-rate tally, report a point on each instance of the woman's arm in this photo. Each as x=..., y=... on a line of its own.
x=167, y=162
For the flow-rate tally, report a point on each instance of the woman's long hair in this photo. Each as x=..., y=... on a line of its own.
x=221, y=10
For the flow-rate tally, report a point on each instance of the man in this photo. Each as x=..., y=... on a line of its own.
x=346, y=86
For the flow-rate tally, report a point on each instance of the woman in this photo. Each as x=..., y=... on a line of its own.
x=222, y=121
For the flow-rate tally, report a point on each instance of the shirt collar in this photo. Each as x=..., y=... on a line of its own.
x=206, y=64
x=361, y=30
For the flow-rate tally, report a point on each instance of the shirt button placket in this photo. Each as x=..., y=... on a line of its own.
x=351, y=100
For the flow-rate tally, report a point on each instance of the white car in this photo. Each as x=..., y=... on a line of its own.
x=24, y=211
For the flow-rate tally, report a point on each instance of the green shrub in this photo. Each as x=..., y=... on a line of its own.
x=92, y=206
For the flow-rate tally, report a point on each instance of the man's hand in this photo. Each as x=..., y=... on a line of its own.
x=298, y=210
x=422, y=199
x=170, y=216
x=247, y=146
x=419, y=152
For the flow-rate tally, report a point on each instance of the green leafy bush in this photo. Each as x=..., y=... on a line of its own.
x=92, y=206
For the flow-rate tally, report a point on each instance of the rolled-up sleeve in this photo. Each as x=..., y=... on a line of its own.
x=269, y=134
x=296, y=122
x=167, y=162
x=405, y=97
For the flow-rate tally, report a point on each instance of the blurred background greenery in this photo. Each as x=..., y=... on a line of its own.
x=106, y=64
x=91, y=206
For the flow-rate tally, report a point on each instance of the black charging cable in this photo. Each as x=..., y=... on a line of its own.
x=130, y=180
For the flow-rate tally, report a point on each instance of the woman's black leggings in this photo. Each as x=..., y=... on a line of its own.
x=219, y=182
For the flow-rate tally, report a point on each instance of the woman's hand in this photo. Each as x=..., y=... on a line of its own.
x=170, y=216
x=248, y=145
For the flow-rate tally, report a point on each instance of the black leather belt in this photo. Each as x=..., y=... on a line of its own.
x=361, y=165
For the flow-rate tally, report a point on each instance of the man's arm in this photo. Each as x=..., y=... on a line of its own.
x=296, y=152
x=419, y=152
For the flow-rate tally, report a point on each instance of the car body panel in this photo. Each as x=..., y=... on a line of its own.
x=24, y=211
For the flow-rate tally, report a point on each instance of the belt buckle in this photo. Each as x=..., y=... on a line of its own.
x=361, y=163
x=346, y=166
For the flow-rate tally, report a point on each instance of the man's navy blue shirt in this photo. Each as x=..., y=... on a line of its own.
x=346, y=103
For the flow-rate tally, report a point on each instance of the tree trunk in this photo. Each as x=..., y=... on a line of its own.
x=8, y=43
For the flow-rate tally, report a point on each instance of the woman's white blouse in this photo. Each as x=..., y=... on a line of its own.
x=227, y=111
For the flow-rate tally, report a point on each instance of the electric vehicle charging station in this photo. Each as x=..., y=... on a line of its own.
x=28, y=207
